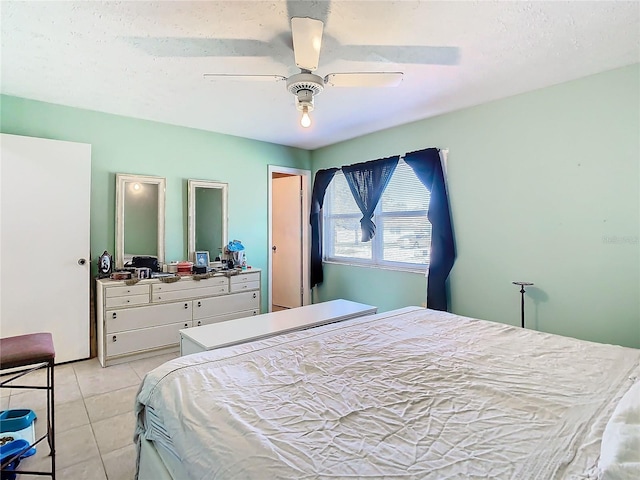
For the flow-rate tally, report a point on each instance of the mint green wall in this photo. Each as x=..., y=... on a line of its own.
x=127, y=145
x=544, y=187
x=386, y=289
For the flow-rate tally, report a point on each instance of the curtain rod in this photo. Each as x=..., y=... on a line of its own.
x=444, y=151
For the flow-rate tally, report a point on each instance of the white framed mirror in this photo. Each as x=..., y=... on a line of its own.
x=207, y=205
x=140, y=207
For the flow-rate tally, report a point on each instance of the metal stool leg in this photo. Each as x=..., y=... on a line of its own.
x=51, y=417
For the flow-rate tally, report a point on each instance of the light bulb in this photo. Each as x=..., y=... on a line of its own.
x=305, y=121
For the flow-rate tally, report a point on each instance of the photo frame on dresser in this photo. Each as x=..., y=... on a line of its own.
x=105, y=264
x=202, y=259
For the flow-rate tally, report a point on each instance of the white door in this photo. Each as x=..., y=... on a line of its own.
x=45, y=188
x=286, y=247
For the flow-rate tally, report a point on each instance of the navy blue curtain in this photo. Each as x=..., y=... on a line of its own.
x=427, y=167
x=367, y=182
x=320, y=184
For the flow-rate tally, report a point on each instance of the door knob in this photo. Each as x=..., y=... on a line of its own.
x=82, y=261
x=273, y=248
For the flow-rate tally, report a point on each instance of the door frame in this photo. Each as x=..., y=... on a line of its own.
x=306, y=230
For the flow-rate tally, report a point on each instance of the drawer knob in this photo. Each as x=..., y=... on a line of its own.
x=186, y=306
x=199, y=322
x=199, y=304
x=255, y=312
x=254, y=295
x=128, y=301
x=114, y=315
x=186, y=325
x=114, y=338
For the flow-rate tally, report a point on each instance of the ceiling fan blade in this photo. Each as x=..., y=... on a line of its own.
x=315, y=9
x=250, y=78
x=410, y=54
x=307, y=40
x=364, y=79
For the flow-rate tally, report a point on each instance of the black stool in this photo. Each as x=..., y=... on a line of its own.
x=33, y=351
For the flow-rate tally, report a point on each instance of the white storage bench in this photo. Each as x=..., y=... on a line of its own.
x=240, y=330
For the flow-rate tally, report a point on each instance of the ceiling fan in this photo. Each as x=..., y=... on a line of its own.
x=307, y=41
x=308, y=19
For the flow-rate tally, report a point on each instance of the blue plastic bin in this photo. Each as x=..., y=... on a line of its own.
x=9, y=450
x=17, y=419
x=18, y=424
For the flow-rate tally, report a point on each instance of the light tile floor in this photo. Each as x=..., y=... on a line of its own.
x=94, y=418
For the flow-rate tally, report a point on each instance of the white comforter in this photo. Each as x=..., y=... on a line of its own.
x=419, y=395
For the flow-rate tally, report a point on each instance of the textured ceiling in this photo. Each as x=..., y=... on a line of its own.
x=147, y=59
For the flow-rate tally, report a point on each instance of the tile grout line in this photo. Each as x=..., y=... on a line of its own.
x=84, y=403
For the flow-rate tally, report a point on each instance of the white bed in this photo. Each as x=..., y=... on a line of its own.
x=412, y=393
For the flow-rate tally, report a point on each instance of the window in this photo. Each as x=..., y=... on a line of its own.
x=403, y=232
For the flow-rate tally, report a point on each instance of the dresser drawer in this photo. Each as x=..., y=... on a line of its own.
x=241, y=287
x=143, y=339
x=126, y=301
x=187, y=284
x=228, y=316
x=210, y=307
x=245, y=277
x=143, y=317
x=126, y=290
x=191, y=293
x=187, y=289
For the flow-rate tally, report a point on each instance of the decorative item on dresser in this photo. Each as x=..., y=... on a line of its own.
x=142, y=320
x=105, y=264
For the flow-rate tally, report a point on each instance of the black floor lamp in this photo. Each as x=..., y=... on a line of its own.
x=522, y=285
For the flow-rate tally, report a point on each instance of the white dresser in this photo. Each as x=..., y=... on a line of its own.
x=144, y=319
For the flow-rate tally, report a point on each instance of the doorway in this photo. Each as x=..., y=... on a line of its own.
x=289, y=200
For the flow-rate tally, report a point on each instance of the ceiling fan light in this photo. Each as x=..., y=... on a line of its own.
x=305, y=120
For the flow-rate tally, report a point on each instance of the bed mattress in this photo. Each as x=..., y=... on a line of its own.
x=420, y=394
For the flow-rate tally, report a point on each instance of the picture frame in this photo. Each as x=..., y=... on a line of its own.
x=105, y=264
x=143, y=273
x=202, y=259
